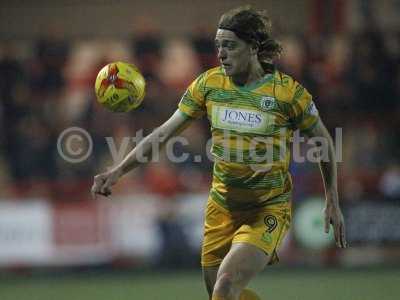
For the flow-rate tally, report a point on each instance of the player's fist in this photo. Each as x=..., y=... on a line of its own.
x=103, y=182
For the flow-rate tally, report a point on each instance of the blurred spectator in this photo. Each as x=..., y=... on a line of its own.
x=147, y=44
x=203, y=44
x=178, y=73
x=50, y=58
x=390, y=182
x=14, y=106
x=372, y=74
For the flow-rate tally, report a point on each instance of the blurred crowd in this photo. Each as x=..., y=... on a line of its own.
x=354, y=78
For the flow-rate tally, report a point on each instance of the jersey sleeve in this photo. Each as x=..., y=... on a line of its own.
x=192, y=103
x=304, y=114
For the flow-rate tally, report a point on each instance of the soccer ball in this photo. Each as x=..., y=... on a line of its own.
x=120, y=87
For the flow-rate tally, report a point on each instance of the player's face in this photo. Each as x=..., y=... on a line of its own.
x=234, y=54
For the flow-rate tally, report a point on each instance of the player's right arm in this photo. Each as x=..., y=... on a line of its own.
x=173, y=126
x=192, y=106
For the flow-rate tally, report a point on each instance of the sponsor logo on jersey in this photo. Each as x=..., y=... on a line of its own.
x=239, y=119
x=246, y=118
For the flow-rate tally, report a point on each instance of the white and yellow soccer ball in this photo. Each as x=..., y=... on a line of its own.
x=120, y=87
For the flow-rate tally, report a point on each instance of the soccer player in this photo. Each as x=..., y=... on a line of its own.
x=253, y=109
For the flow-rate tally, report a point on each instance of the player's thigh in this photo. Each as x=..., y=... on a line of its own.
x=219, y=230
x=210, y=277
x=242, y=263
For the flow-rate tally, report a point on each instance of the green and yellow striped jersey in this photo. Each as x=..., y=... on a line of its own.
x=251, y=130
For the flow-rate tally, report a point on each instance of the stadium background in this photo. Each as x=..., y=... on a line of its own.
x=56, y=243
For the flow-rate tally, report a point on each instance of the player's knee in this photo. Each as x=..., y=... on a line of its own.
x=225, y=286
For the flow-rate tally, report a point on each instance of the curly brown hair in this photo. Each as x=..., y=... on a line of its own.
x=252, y=26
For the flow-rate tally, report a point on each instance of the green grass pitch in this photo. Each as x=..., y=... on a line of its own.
x=271, y=285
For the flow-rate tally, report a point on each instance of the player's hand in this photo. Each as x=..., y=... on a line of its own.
x=333, y=215
x=103, y=182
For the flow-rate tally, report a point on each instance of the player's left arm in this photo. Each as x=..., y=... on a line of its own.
x=328, y=165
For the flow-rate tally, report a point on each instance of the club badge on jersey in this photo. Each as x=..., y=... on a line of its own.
x=267, y=103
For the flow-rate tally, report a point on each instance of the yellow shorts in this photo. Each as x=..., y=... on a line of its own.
x=264, y=227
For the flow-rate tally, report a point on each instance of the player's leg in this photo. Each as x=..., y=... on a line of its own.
x=242, y=263
x=210, y=276
x=218, y=235
x=253, y=246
